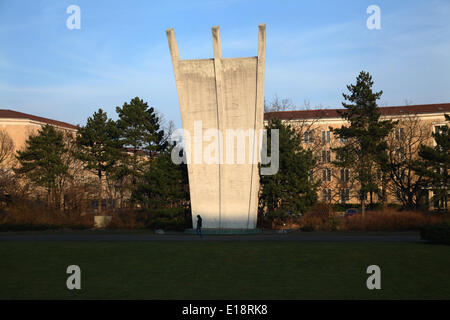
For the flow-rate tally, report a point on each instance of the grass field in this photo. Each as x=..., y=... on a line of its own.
x=223, y=270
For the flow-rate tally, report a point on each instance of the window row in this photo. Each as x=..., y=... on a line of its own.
x=344, y=175
x=308, y=136
x=325, y=136
x=344, y=194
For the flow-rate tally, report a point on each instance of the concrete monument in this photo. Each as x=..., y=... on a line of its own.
x=227, y=95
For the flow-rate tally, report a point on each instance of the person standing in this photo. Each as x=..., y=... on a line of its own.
x=199, y=225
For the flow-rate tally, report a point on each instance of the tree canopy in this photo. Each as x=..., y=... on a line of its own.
x=42, y=159
x=364, y=139
x=435, y=165
x=289, y=190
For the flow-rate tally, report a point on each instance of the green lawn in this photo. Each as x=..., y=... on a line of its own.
x=223, y=270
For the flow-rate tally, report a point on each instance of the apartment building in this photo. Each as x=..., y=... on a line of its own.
x=20, y=125
x=337, y=185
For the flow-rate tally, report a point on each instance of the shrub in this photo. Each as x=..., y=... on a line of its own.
x=24, y=218
x=320, y=210
x=436, y=233
x=333, y=224
x=390, y=220
x=167, y=219
x=344, y=206
x=385, y=220
x=308, y=226
x=175, y=224
x=129, y=219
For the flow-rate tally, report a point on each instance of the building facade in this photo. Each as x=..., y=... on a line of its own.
x=416, y=123
x=19, y=126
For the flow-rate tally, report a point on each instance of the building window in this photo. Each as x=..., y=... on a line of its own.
x=345, y=175
x=326, y=175
x=362, y=195
x=380, y=175
x=381, y=195
x=326, y=194
x=308, y=137
x=311, y=176
x=400, y=153
x=326, y=156
x=439, y=129
x=326, y=136
x=345, y=194
x=398, y=195
x=399, y=134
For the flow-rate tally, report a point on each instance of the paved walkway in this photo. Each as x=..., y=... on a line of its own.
x=179, y=236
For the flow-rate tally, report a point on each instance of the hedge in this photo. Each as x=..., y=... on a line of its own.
x=437, y=233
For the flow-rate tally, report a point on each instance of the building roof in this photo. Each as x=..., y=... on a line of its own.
x=10, y=114
x=332, y=113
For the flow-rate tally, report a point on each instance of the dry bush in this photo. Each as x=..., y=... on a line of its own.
x=167, y=219
x=77, y=197
x=286, y=223
x=11, y=190
x=35, y=217
x=128, y=219
x=391, y=220
x=320, y=210
x=320, y=219
x=315, y=219
x=6, y=149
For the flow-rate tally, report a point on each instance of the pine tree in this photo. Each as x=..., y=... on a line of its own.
x=99, y=148
x=436, y=164
x=141, y=134
x=42, y=161
x=164, y=185
x=365, y=146
x=289, y=191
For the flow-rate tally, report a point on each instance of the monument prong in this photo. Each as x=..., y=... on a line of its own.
x=173, y=45
x=262, y=42
x=227, y=97
x=216, y=42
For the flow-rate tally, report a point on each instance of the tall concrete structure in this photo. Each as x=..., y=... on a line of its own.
x=222, y=93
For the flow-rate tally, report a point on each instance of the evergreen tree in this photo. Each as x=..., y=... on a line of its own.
x=99, y=147
x=365, y=146
x=164, y=185
x=141, y=134
x=435, y=165
x=42, y=161
x=289, y=190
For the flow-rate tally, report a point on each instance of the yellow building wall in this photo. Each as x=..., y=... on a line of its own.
x=318, y=125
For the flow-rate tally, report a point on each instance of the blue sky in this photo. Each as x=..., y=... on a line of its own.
x=314, y=49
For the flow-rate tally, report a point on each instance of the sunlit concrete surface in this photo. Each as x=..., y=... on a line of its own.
x=222, y=93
